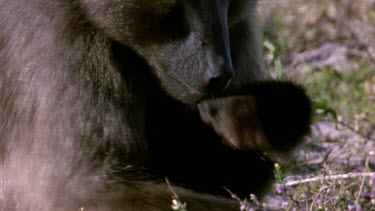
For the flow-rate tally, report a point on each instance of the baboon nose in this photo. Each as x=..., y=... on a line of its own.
x=220, y=81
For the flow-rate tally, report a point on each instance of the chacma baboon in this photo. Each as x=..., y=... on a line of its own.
x=101, y=100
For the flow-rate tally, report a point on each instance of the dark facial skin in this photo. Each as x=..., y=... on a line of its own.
x=100, y=101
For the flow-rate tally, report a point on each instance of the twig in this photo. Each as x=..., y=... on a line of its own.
x=330, y=177
x=362, y=184
x=176, y=202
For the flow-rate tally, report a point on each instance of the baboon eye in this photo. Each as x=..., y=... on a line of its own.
x=174, y=25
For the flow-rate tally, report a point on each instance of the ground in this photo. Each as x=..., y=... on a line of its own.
x=329, y=46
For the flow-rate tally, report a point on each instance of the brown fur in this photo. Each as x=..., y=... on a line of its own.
x=98, y=104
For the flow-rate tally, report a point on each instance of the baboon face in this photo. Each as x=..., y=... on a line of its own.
x=186, y=42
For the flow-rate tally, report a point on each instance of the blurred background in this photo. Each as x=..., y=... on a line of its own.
x=329, y=47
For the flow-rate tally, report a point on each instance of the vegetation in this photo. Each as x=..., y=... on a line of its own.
x=329, y=46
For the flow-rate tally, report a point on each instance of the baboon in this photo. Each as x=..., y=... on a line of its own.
x=100, y=101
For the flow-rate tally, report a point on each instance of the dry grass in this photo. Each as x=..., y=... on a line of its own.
x=328, y=45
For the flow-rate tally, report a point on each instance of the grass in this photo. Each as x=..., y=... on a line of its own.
x=343, y=92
